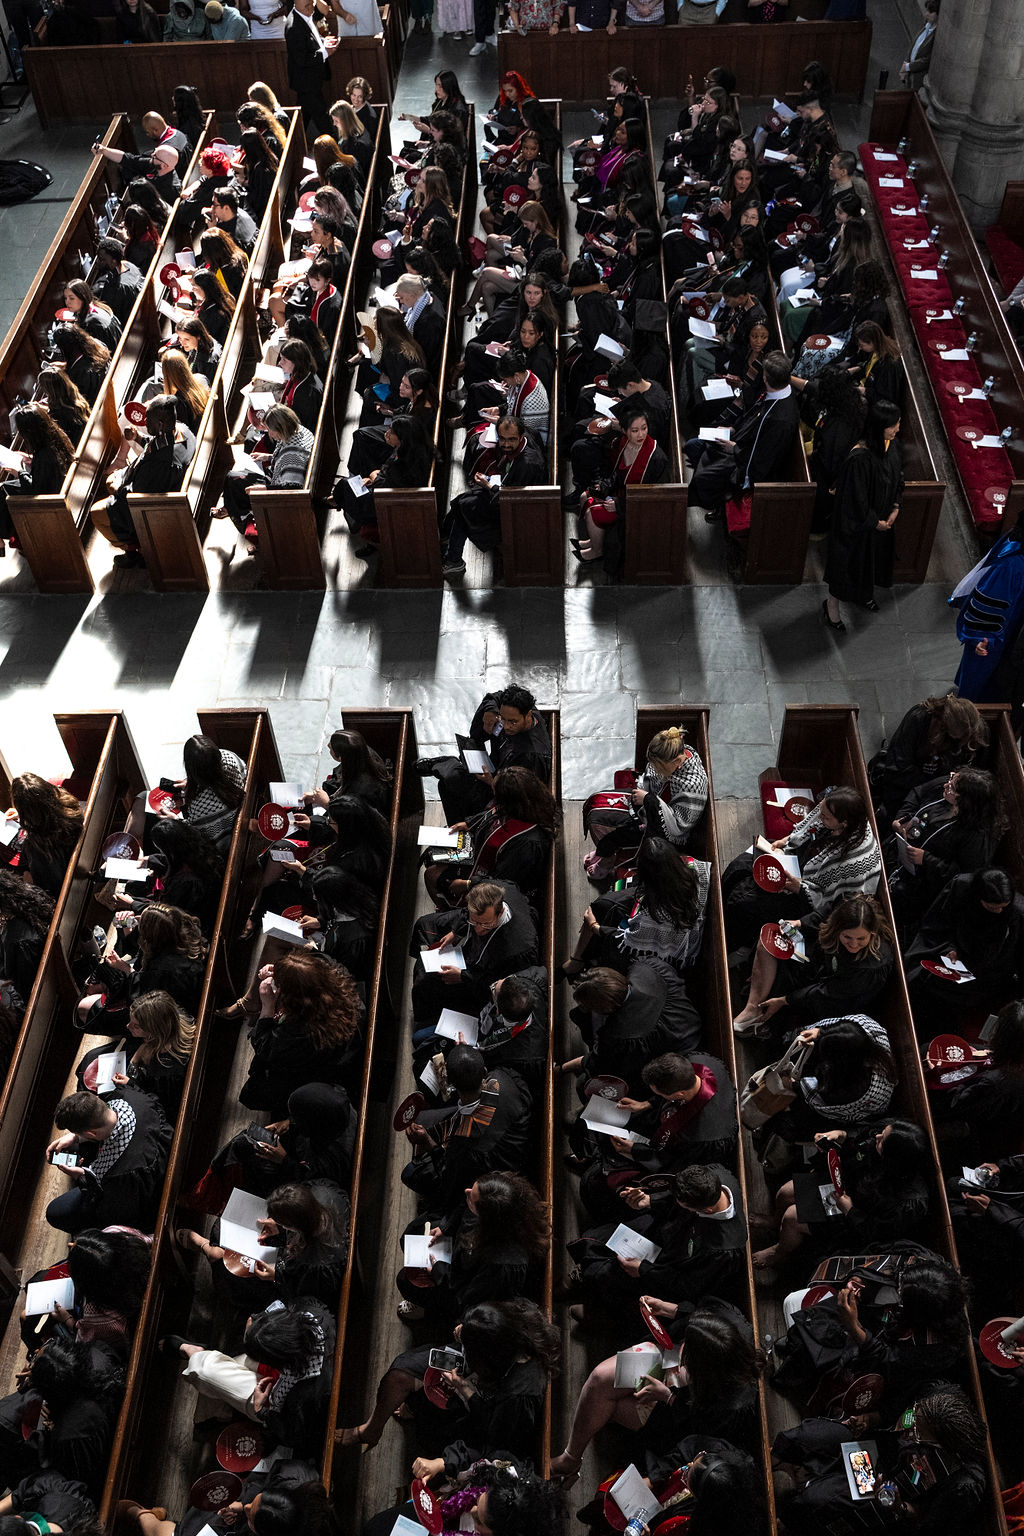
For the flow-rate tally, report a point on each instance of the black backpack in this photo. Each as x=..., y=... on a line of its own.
x=22, y=179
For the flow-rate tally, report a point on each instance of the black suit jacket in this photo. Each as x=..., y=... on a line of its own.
x=764, y=436
x=429, y=332
x=307, y=71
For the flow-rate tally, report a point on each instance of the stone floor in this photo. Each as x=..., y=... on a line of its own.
x=595, y=652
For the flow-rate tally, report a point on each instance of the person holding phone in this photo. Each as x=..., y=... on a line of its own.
x=122, y=1147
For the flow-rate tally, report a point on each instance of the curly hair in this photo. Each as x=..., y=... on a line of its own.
x=49, y=815
x=523, y=1504
x=979, y=802
x=509, y=1210
x=29, y=902
x=520, y=794
x=319, y=996
x=495, y=1336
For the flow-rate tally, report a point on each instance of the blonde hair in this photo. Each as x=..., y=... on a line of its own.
x=170, y=930
x=666, y=746
x=167, y=1032
x=180, y=380
x=263, y=96
x=537, y=214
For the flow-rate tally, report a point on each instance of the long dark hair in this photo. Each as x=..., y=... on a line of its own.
x=720, y=1362
x=670, y=886
x=847, y=806
x=978, y=801
x=494, y=1336
x=520, y=794
x=111, y=1269
x=188, y=113
x=357, y=759
x=311, y=1224
x=509, y=1210
x=29, y=902
x=205, y=770
x=843, y=1057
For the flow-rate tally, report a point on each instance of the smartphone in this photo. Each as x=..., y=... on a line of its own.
x=64, y=1159
x=168, y=785
x=446, y=1360
x=260, y=1136
x=863, y=1472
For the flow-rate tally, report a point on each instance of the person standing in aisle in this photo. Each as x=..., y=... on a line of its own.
x=309, y=65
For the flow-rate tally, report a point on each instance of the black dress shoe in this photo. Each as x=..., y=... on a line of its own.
x=716, y=516
x=130, y=560
x=425, y=766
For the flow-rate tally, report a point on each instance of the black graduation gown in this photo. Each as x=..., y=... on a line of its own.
x=47, y=869
x=441, y=1174
x=488, y=958
x=503, y=1417
x=656, y=1017
x=129, y=1193
x=832, y=986
x=498, y=1274
x=909, y=759
x=299, y=1420
x=21, y=949
x=850, y=567
x=284, y=1058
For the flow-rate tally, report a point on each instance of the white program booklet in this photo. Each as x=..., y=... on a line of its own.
x=608, y=347
x=475, y=761
x=106, y=1065
x=434, y=959
x=418, y=1252
x=452, y=1025
x=628, y=1244
x=277, y=927
x=609, y=1119
x=238, y=1226
x=288, y=795
x=632, y=1365
x=43, y=1295
x=715, y=434
x=774, y=154
x=126, y=869
x=436, y=837
x=702, y=328
x=717, y=389
x=633, y=1496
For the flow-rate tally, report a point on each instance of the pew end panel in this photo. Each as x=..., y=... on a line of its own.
x=51, y=543
x=915, y=528
x=289, y=546
x=533, y=536
x=780, y=530
x=657, y=549
x=169, y=541
x=410, y=545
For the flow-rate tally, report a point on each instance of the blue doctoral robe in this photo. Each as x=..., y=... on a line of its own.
x=994, y=611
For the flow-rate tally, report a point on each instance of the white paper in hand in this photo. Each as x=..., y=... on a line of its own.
x=43, y=1295
x=608, y=347
x=436, y=837
x=476, y=762
x=715, y=434
x=633, y=1496
x=452, y=1025
x=627, y=1244
x=717, y=389
x=418, y=1252
x=702, y=328
x=277, y=927
x=434, y=959
x=288, y=795
x=106, y=1066
x=125, y=869
x=238, y=1226
x=632, y=1365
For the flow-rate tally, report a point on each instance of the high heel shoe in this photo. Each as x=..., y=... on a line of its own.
x=836, y=624
x=235, y=1010
x=566, y=1468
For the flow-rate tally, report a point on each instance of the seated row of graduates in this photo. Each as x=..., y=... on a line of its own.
x=304, y=1017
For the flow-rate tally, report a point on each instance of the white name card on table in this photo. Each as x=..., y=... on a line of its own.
x=628, y=1244
x=633, y=1496
x=881, y=157
x=418, y=1252
x=8, y=832
x=476, y=762
x=452, y=1025
x=43, y=1295
x=988, y=441
x=267, y=373
x=126, y=869
x=107, y=1065
x=702, y=328
x=288, y=795
x=715, y=434
x=974, y=394
x=954, y=355
x=277, y=927
x=608, y=347
x=436, y=837
x=717, y=389
x=9, y=459
x=926, y=275
x=890, y=181
x=606, y=1118
x=238, y=1226
x=783, y=110
x=632, y=1365
x=903, y=213
x=945, y=314
x=434, y=959
x=774, y=154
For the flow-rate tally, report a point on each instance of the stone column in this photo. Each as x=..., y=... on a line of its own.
x=974, y=95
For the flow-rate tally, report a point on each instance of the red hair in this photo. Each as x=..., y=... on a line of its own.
x=215, y=161
x=513, y=76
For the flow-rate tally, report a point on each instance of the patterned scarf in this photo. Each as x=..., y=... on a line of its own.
x=290, y=1377
x=111, y=1149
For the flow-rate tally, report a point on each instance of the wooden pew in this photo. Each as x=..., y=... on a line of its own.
x=172, y=528
x=532, y=521
x=288, y=521
x=923, y=494
x=51, y=528
x=144, y=73
x=820, y=745
x=72, y=248
x=708, y=986
x=764, y=59
x=410, y=545
x=142, y=1423
x=1004, y=239
x=655, y=533
x=898, y=116
x=107, y=776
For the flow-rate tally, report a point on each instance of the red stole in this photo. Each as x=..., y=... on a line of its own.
x=635, y=473
x=502, y=833
x=288, y=394
x=675, y=1116
x=491, y=460
x=328, y=293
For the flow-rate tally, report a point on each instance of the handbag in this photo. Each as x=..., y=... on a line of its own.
x=772, y=1089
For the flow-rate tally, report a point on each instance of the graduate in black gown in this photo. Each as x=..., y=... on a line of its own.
x=867, y=500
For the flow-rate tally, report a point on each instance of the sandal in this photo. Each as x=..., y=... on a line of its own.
x=565, y=1469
